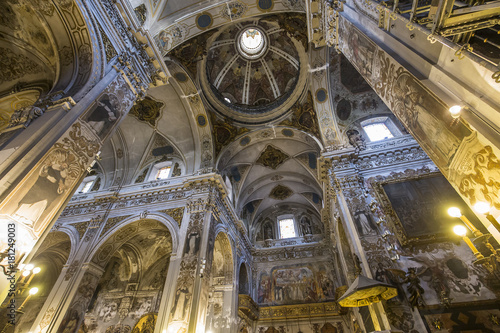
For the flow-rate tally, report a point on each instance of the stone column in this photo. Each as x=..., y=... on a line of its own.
x=351, y=199
x=37, y=184
x=189, y=298
x=65, y=308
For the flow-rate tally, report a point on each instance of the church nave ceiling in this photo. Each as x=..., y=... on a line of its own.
x=270, y=169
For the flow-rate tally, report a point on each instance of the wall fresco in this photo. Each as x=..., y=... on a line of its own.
x=295, y=284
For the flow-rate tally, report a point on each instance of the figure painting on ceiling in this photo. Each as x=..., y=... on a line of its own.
x=104, y=115
x=54, y=177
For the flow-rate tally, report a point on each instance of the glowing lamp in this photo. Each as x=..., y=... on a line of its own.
x=482, y=207
x=460, y=230
x=36, y=270
x=455, y=111
x=29, y=267
x=454, y=212
x=33, y=291
x=26, y=273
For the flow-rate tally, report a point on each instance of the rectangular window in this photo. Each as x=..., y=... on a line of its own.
x=87, y=186
x=377, y=132
x=163, y=173
x=287, y=229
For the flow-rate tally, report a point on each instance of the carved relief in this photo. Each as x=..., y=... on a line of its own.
x=111, y=222
x=81, y=227
x=280, y=192
x=147, y=110
x=272, y=157
x=176, y=213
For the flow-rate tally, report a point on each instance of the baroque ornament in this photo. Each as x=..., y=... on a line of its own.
x=176, y=213
x=147, y=110
x=112, y=222
x=234, y=10
x=15, y=66
x=272, y=157
x=280, y=192
x=81, y=227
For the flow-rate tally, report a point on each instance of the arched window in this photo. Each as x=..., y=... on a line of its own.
x=380, y=128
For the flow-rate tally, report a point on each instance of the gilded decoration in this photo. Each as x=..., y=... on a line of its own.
x=108, y=46
x=224, y=132
x=148, y=110
x=176, y=213
x=111, y=222
x=272, y=157
x=248, y=306
x=304, y=117
x=280, y=192
x=189, y=53
x=145, y=324
x=140, y=12
x=81, y=227
x=300, y=311
x=234, y=10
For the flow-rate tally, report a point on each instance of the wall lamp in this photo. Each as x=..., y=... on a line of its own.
x=484, y=208
x=490, y=262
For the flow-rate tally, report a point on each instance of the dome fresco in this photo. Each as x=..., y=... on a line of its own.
x=252, y=68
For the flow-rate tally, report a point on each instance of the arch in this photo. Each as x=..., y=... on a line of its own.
x=123, y=231
x=223, y=263
x=137, y=268
x=54, y=45
x=50, y=257
x=243, y=280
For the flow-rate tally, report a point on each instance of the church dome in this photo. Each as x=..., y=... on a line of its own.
x=254, y=71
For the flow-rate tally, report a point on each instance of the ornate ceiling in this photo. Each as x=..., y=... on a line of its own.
x=257, y=83
x=272, y=169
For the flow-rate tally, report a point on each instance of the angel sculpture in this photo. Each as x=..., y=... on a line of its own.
x=412, y=277
x=414, y=288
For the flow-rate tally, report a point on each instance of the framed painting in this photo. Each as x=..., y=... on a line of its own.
x=417, y=207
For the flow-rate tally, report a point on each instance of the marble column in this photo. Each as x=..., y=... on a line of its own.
x=189, y=297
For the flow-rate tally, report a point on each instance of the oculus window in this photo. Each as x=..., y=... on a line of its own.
x=287, y=228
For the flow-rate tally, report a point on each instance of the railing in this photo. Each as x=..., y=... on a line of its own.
x=472, y=25
x=247, y=305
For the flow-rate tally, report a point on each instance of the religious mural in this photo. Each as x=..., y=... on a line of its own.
x=103, y=115
x=421, y=206
x=295, y=284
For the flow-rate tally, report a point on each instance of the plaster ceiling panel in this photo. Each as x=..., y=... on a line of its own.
x=265, y=190
x=174, y=121
x=250, y=155
x=137, y=135
x=290, y=166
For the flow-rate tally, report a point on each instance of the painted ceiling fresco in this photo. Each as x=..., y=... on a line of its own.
x=253, y=81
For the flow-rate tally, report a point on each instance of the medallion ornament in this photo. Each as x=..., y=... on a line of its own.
x=272, y=157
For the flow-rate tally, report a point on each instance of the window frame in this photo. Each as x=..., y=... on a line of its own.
x=386, y=121
x=294, y=223
x=153, y=173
